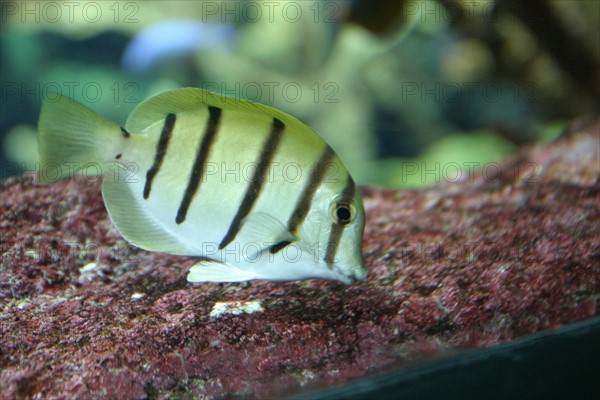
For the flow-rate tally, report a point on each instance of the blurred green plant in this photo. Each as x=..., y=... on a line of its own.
x=408, y=83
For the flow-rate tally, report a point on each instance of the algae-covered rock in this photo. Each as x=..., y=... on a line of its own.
x=506, y=252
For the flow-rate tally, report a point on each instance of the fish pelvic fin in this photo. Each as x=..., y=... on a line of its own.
x=73, y=138
x=214, y=271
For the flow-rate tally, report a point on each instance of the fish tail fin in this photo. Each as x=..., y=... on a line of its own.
x=73, y=138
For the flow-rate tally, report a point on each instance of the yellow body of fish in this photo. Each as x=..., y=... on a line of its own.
x=251, y=189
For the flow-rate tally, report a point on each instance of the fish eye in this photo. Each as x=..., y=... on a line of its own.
x=343, y=211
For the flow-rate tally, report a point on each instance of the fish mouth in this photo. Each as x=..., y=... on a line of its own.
x=360, y=274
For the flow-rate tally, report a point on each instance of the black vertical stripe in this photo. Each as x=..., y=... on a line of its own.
x=199, y=167
x=332, y=243
x=337, y=230
x=276, y=248
x=349, y=189
x=315, y=180
x=161, y=150
x=257, y=181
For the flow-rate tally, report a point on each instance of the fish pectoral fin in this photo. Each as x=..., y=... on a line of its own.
x=213, y=271
x=262, y=230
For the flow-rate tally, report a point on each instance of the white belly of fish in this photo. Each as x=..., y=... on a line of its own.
x=247, y=257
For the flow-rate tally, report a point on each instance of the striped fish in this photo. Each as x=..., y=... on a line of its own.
x=250, y=189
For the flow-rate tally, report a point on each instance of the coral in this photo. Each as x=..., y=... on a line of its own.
x=506, y=252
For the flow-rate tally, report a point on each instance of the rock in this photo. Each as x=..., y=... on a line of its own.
x=509, y=251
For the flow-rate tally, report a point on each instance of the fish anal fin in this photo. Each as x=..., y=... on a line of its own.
x=136, y=223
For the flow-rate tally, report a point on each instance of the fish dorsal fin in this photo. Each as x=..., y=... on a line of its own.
x=214, y=271
x=263, y=231
x=154, y=109
x=136, y=224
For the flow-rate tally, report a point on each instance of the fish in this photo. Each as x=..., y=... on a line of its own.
x=249, y=189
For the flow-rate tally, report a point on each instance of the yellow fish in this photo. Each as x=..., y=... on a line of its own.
x=252, y=190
